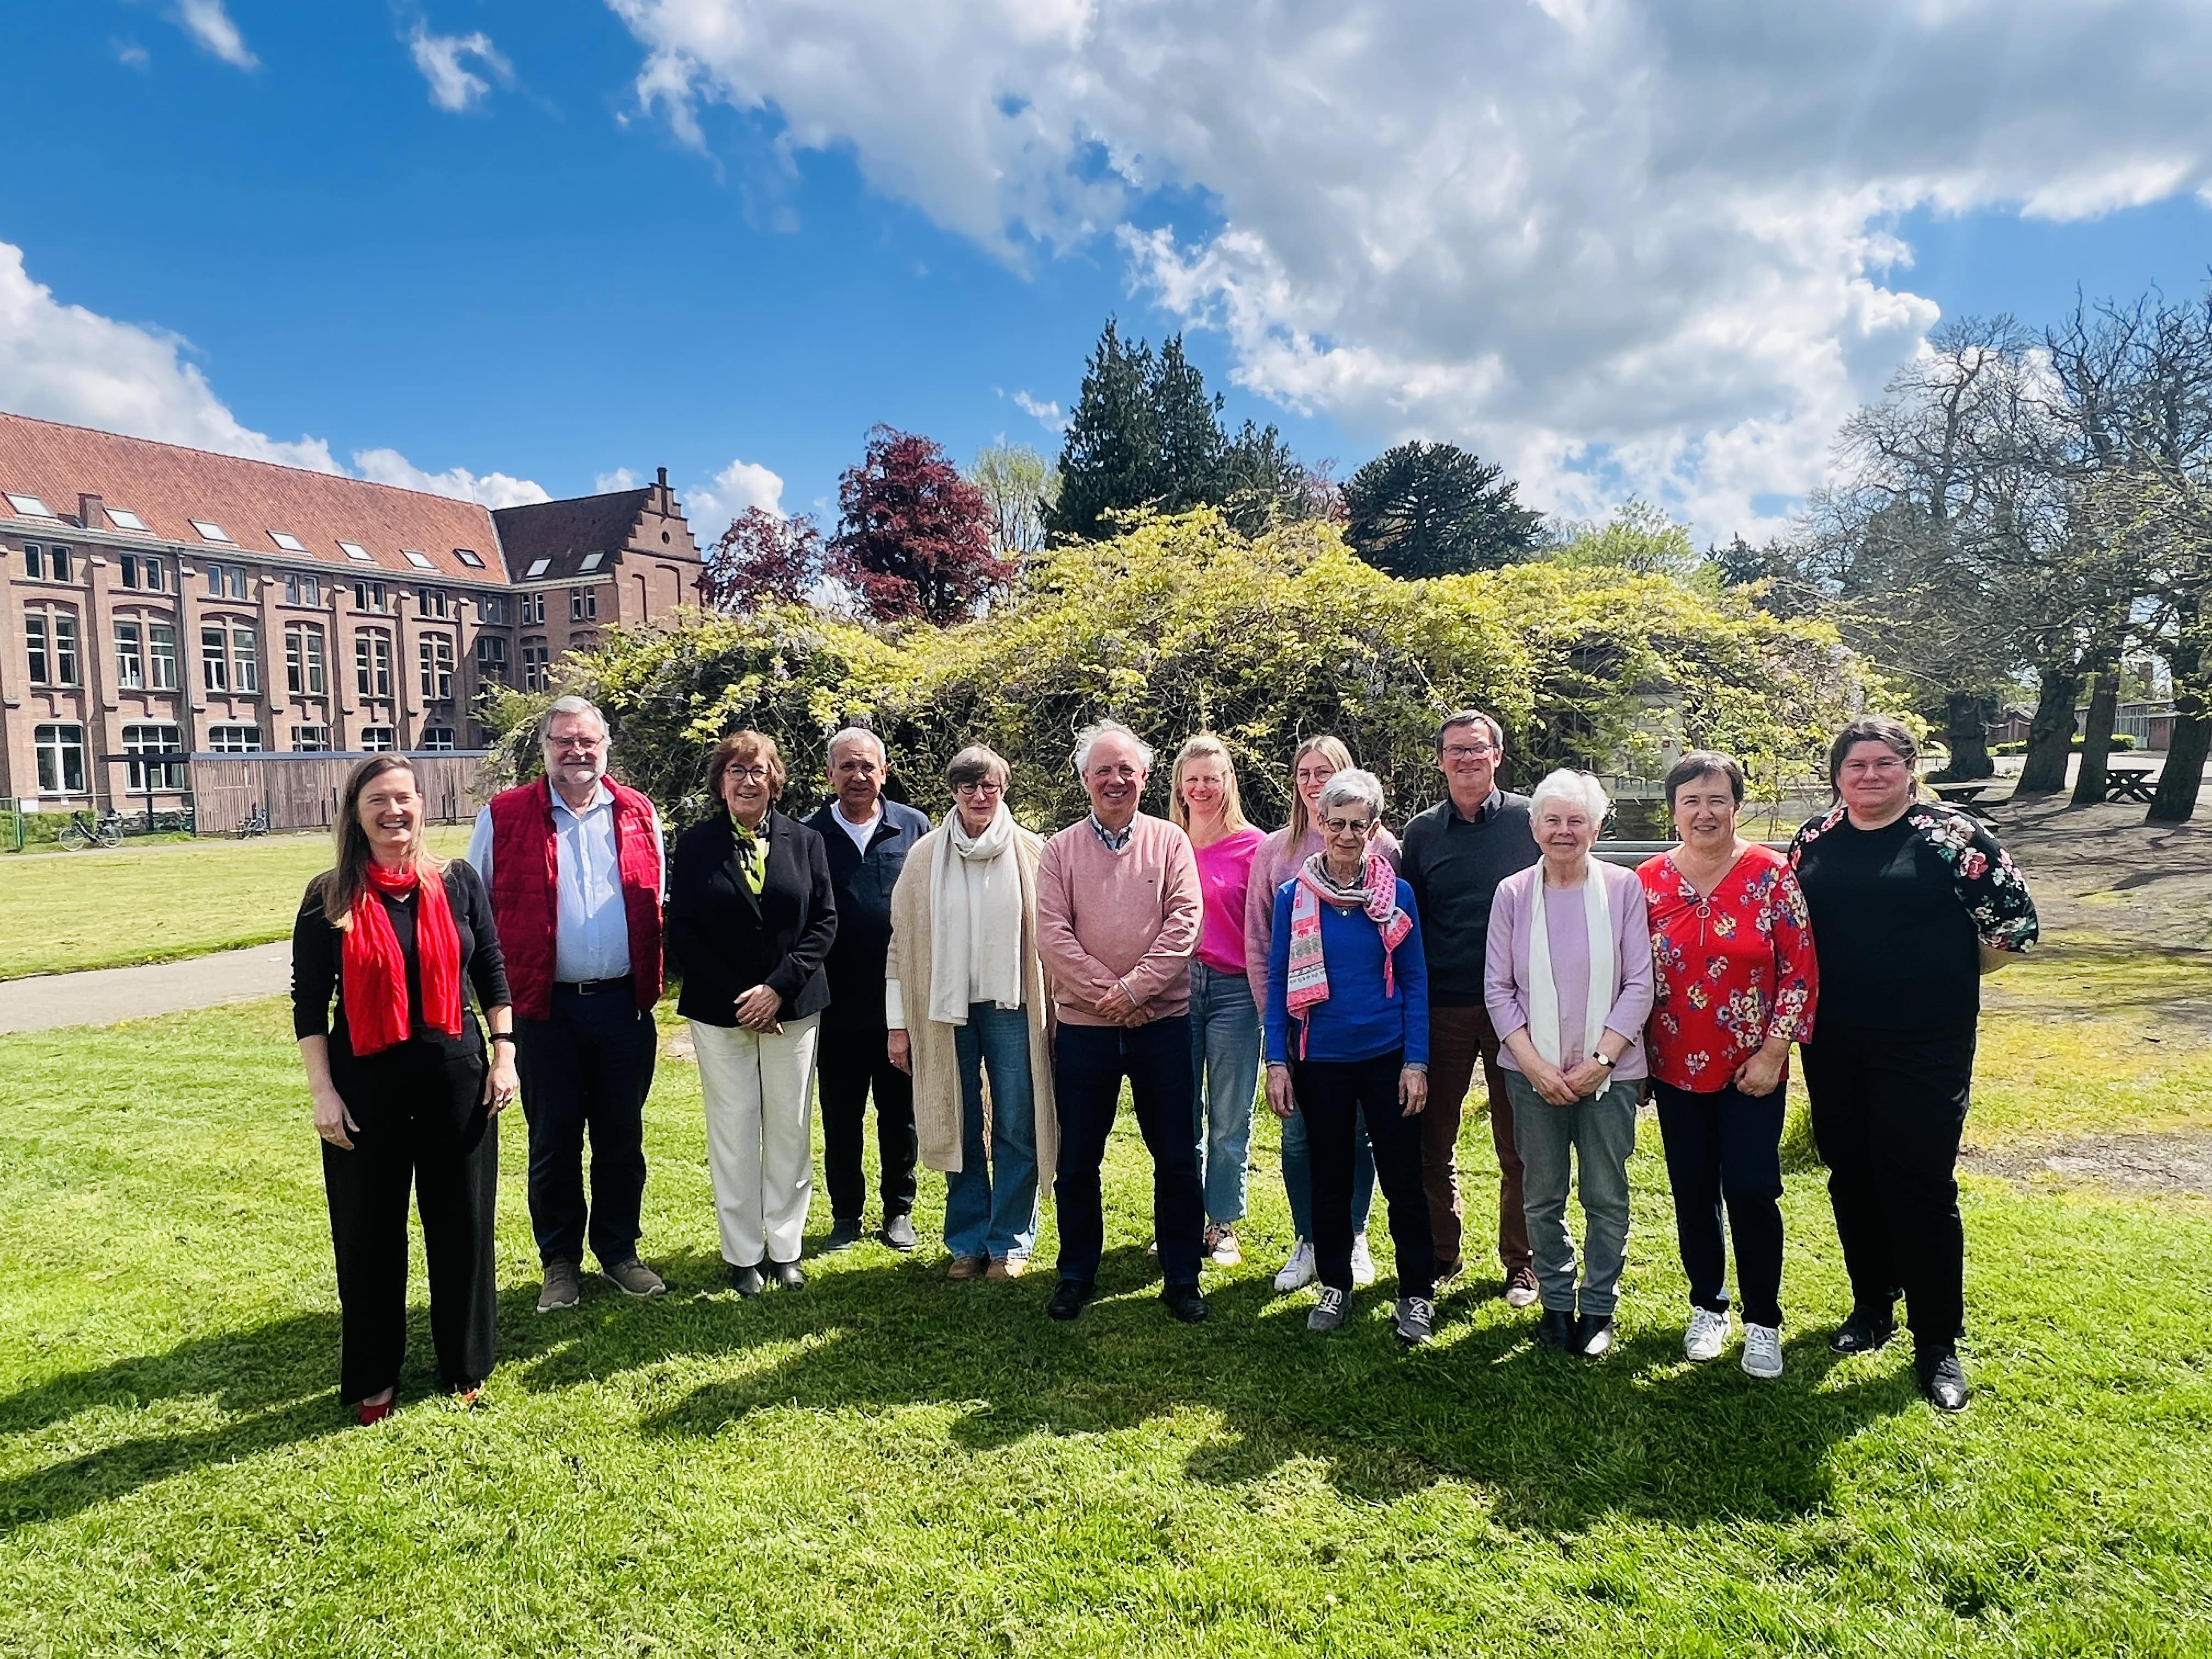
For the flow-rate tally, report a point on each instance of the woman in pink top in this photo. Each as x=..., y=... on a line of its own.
x=1318, y=759
x=1224, y=1020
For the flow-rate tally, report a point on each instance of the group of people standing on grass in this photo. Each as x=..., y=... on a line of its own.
x=992, y=992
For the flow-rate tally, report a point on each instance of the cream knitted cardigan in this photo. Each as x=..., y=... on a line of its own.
x=936, y=1064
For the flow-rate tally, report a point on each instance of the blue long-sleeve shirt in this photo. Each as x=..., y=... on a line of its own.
x=1358, y=1022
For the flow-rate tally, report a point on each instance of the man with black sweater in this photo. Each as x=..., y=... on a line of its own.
x=1454, y=855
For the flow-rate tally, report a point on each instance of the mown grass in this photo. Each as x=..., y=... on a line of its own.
x=64, y=911
x=888, y=1464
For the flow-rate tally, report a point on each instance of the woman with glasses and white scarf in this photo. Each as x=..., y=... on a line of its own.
x=1567, y=980
x=965, y=998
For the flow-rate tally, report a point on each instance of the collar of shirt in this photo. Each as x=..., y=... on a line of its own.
x=1116, y=840
x=1484, y=813
x=859, y=834
x=601, y=796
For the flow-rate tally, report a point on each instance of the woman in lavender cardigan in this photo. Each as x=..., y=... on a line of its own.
x=1568, y=984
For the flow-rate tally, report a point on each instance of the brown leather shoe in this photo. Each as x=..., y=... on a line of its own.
x=1006, y=1266
x=967, y=1266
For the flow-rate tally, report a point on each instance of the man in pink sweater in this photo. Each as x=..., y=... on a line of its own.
x=1118, y=910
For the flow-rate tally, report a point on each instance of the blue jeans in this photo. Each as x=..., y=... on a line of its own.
x=1297, y=1173
x=991, y=1209
x=1225, y=1061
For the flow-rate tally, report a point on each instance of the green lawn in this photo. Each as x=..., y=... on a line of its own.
x=64, y=911
x=887, y=1463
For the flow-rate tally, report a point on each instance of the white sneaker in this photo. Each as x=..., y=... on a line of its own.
x=1762, y=1351
x=1298, y=1272
x=1708, y=1335
x=1363, y=1265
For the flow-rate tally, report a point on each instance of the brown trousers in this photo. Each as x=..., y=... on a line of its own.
x=1458, y=1038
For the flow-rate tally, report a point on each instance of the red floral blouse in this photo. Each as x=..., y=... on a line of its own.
x=1729, y=971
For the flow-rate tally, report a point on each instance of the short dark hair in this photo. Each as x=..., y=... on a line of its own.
x=977, y=763
x=748, y=745
x=1704, y=763
x=1492, y=729
x=1893, y=734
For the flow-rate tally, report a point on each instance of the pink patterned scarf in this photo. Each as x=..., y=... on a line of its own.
x=1377, y=893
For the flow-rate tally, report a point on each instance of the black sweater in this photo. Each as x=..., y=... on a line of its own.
x=1453, y=866
x=318, y=950
x=725, y=940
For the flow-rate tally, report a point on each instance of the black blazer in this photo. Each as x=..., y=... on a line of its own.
x=726, y=940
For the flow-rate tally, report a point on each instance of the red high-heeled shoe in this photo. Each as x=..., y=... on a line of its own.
x=370, y=1415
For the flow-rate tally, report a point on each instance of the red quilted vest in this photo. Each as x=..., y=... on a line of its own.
x=523, y=871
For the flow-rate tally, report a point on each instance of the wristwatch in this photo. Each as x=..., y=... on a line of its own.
x=1601, y=1059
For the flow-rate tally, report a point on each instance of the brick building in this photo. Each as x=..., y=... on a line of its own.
x=160, y=601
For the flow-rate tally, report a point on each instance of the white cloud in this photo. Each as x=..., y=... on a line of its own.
x=453, y=86
x=1045, y=413
x=1620, y=247
x=207, y=23
x=63, y=362
x=132, y=55
x=737, y=486
x=389, y=467
x=606, y=483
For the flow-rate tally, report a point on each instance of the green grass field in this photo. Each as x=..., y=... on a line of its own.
x=63, y=911
x=888, y=1464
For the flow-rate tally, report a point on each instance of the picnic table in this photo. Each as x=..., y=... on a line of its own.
x=1964, y=797
x=2128, y=782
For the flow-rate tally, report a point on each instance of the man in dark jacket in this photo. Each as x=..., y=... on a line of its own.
x=868, y=838
x=1453, y=856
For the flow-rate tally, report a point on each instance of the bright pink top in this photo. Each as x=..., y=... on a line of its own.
x=1224, y=871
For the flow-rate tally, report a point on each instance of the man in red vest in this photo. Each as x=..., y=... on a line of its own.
x=575, y=863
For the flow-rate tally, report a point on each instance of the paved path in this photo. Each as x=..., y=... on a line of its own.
x=102, y=996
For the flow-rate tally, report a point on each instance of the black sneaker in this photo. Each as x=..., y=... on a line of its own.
x=1416, y=1319
x=1556, y=1330
x=843, y=1235
x=1068, y=1299
x=1943, y=1379
x=1185, y=1302
x=747, y=1281
x=899, y=1232
x=1865, y=1331
x=564, y=1288
x=1594, y=1335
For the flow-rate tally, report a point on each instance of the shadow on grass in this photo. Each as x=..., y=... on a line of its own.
x=1556, y=1442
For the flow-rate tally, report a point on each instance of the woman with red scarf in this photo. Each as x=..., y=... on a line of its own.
x=403, y=1093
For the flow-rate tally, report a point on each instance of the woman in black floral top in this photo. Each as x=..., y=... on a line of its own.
x=1911, y=904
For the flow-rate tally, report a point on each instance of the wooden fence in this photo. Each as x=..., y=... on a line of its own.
x=301, y=791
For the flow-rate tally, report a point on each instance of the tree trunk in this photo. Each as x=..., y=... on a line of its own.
x=2050, y=734
x=1966, y=734
x=2097, y=736
x=2175, y=799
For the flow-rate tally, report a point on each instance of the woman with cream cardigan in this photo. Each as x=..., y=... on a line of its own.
x=1567, y=980
x=965, y=998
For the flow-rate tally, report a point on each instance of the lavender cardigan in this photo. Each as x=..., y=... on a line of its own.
x=1506, y=969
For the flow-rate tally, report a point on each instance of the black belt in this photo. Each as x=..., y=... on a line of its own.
x=593, y=988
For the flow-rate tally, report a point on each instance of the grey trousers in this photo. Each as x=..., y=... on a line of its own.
x=1599, y=1134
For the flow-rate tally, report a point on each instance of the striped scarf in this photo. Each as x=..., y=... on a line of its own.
x=1376, y=892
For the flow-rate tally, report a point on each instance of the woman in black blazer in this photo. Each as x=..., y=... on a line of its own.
x=750, y=917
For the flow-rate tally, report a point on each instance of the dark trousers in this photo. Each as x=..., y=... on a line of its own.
x=1459, y=1039
x=1726, y=1147
x=1332, y=1095
x=587, y=1069
x=1888, y=1110
x=1088, y=1065
x=421, y=1125
x=847, y=1064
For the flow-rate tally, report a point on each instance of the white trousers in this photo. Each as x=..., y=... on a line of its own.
x=759, y=1092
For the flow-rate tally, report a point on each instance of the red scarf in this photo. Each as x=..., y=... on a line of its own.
x=373, y=976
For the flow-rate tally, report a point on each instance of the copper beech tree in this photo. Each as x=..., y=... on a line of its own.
x=914, y=537
x=762, y=558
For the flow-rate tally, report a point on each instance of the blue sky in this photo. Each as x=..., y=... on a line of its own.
x=566, y=275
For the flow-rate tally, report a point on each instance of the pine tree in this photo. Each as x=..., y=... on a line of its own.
x=1432, y=509
x=1111, y=456
x=1186, y=467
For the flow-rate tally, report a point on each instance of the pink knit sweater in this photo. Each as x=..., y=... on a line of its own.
x=1130, y=917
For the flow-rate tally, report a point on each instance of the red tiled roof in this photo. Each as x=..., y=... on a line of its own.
x=167, y=486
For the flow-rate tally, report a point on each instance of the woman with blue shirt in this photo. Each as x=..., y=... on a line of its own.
x=1348, y=1031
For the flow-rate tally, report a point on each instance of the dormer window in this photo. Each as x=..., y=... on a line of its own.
x=28, y=506
x=123, y=518
x=212, y=532
x=288, y=542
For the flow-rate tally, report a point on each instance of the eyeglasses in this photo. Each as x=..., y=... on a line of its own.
x=1347, y=826
x=749, y=773
x=588, y=745
x=1462, y=752
x=986, y=786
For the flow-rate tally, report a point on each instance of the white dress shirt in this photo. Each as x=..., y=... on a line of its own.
x=591, y=939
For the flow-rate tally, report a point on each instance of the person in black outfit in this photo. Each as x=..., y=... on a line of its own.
x=403, y=1091
x=751, y=916
x=1911, y=903
x=867, y=839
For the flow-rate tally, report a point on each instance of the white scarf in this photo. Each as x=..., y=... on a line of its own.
x=1544, y=991
x=976, y=919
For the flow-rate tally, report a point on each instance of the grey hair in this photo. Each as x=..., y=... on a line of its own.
x=571, y=704
x=1579, y=789
x=1472, y=717
x=883, y=754
x=1351, y=785
x=1087, y=739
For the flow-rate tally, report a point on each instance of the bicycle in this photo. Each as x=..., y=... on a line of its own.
x=83, y=832
x=256, y=823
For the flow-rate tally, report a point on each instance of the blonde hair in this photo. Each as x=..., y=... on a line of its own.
x=1330, y=749
x=1203, y=745
x=342, y=884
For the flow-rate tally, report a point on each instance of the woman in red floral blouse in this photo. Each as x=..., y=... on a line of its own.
x=1735, y=985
